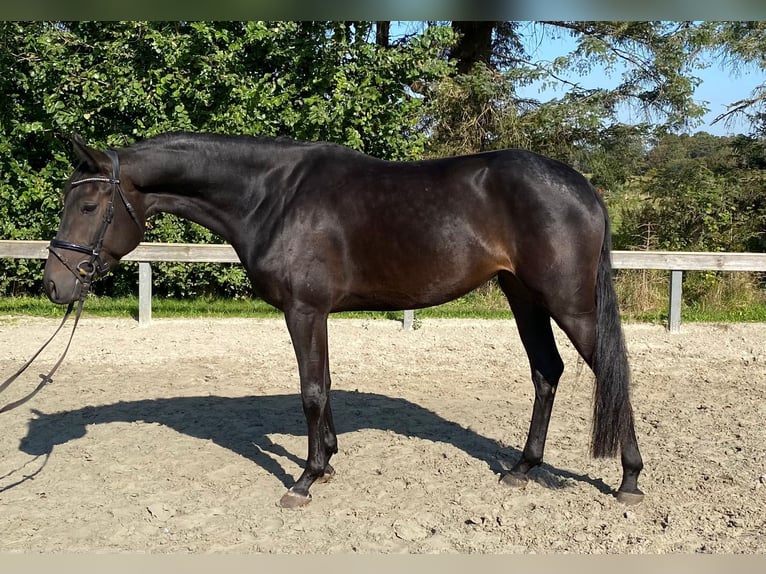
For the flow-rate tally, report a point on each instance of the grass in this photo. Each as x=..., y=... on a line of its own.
x=470, y=306
x=643, y=297
x=708, y=297
x=702, y=314
x=705, y=314
x=128, y=307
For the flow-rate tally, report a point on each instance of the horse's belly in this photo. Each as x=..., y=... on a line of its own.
x=399, y=285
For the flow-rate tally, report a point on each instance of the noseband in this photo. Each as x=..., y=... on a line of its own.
x=86, y=270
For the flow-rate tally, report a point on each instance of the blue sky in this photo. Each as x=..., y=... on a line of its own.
x=719, y=86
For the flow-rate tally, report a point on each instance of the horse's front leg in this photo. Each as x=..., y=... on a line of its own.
x=308, y=331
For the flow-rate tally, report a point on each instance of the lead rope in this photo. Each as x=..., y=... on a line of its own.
x=46, y=379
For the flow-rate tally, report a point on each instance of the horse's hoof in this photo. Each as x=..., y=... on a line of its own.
x=629, y=498
x=291, y=499
x=329, y=474
x=515, y=480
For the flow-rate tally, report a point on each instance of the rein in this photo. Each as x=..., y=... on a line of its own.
x=49, y=377
x=84, y=273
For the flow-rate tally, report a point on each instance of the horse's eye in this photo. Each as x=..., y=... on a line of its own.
x=89, y=207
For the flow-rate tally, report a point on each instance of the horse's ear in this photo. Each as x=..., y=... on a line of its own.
x=91, y=157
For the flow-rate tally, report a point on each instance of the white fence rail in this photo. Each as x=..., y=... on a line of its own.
x=674, y=261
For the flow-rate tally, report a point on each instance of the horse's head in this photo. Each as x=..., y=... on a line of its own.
x=103, y=220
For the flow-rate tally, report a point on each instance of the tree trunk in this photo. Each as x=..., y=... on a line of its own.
x=382, y=33
x=474, y=44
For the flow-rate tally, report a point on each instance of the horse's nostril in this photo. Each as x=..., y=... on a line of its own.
x=50, y=287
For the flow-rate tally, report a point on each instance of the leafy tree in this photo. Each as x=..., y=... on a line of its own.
x=617, y=157
x=715, y=152
x=696, y=196
x=481, y=106
x=115, y=82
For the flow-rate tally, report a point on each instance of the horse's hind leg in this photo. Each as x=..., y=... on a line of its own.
x=613, y=412
x=534, y=325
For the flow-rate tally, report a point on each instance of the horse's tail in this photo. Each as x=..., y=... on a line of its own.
x=612, y=411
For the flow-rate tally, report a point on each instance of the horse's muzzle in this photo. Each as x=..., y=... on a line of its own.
x=61, y=286
x=59, y=294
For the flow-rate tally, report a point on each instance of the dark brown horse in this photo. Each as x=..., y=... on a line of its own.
x=321, y=228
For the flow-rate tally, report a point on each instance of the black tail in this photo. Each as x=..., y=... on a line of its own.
x=612, y=411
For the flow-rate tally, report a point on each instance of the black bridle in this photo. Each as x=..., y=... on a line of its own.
x=86, y=270
x=84, y=273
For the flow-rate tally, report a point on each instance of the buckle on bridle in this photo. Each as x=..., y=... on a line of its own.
x=83, y=272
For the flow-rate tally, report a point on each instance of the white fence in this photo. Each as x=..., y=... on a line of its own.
x=674, y=261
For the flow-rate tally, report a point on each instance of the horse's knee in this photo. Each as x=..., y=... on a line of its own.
x=314, y=402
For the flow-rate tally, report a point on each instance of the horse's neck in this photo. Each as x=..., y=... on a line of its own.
x=194, y=188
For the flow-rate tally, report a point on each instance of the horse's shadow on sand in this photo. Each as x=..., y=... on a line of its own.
x=242, y=425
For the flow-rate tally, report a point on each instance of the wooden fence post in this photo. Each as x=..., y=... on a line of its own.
x=674, y=311
x=144, y=294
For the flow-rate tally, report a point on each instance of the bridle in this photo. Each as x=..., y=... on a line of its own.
x=85, y=271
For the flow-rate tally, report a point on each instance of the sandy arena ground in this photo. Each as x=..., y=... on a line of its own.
x=181, y=437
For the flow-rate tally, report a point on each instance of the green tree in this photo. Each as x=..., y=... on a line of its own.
x=617, y=157
x=715, y=152
x=115, y=82
x=696, y=196
x=481, y=107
